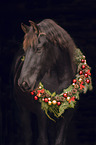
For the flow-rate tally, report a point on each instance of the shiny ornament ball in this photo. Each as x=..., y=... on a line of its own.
x=65, y=94
x=32, y=93
x=74, y=81
x=73, y=84
x=80, y=80
x=81, y=72
x=42, y=99
x=46, y=100
x=58, y=103
x=39, y=87
x=54, y=102
x=83, y=66
x=36, y=98
x=86, y=75
x=68, y=98
x=82, y=60
x=88, y=81
x=49, y=99
x=49, y=102
x=39, y=95
x=84, y=56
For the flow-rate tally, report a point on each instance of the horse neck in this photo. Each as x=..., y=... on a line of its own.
x=60, y=77
x=50, y=81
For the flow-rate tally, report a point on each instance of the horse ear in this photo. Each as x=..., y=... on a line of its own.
x=34, y=25
x=25, y=28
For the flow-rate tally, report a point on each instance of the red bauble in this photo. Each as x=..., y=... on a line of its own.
x=82, y=60
x=58, y=103
x=80, y=72
x=74, y=81
x=46, y=100
x=32, y=93
x=65, y=94
x=36, y=98
x=86, y=75
x=83, y=66
x=88, y=81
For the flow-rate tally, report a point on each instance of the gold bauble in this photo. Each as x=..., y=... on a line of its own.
x=39, y=95
x=54, y=102
x=80, y=80
x=49, y=102
x=68, y=98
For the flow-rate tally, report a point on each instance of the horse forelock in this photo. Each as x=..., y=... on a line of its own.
x=29, y=40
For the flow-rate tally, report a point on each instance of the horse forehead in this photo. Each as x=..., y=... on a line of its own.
x=29, y=38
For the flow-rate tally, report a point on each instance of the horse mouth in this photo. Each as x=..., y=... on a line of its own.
x=33, y=86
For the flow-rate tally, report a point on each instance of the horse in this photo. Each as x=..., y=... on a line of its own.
x=47, y=56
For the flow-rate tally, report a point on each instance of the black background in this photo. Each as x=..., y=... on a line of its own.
x=78, y=17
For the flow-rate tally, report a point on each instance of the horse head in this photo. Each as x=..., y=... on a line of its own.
x=48, y=48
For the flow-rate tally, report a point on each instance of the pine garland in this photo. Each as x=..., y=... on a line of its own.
x=58, y=103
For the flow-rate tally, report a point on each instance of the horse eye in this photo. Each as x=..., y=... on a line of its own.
x=39, y=50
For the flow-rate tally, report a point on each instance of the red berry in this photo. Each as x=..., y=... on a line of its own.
x=46, y=100
x=32, y=93
x=86, y=75
x=82, y=60
x=83, y=66
x=58, y=103
x=80, y=72
x=74, y=81
x=36, y=98
x=65, y=94
x=88, y=81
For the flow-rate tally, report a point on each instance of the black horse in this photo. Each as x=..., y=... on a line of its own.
x=49, y=52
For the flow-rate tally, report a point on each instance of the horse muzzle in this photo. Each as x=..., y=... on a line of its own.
x=24, y=85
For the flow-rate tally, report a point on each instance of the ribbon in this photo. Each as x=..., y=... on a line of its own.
x=88, y=72
x=81, y=86
x=72, y=99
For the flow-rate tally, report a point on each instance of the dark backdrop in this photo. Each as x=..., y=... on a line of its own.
x=78, y=18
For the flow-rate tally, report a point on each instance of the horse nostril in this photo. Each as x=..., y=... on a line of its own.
x=25, y=85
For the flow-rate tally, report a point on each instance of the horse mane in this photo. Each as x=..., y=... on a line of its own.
x=58, y=37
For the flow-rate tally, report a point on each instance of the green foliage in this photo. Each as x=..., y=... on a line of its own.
x=69, y=88
x=53, y=94
x=62, y=108
x=44, y=106
x=72, y=104
x=41, y=85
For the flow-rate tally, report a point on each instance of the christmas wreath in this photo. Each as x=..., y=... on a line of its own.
x=58, y=103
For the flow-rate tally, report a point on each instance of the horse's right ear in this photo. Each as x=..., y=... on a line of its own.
x=25, y=28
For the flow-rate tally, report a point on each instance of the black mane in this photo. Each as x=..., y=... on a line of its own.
x=59, y=37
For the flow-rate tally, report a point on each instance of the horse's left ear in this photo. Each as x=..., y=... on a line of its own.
x=25, y=28
x=34, y=25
